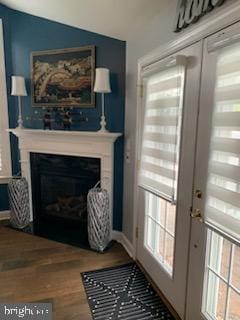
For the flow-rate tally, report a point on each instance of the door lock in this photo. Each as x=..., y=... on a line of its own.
x=196, y=214
x=198, y=194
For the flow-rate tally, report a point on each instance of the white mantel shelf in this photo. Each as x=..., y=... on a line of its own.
x=93, y=144
x=59, y=134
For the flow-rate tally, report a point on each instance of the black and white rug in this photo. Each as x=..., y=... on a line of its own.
x=123, y=293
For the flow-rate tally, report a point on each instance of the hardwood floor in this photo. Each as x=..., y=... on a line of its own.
x=36, y=269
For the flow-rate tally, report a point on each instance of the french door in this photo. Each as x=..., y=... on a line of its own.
x=189, y=185
x=214, y=268
x=168, y=130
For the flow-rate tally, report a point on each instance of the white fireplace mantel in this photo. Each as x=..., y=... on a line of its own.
x=60, y=134
x=74, y=143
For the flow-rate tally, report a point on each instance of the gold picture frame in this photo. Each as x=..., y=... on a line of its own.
x=63, y=77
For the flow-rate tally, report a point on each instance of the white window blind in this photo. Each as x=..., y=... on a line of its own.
x=4, y=149
x=223, y=186
x=1, y=151
x=163, y=102
x=5, y=157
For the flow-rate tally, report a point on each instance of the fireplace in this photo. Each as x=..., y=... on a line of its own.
x=60, y=185
x=81, y=144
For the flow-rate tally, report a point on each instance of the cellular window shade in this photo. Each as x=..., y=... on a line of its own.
x=4, y=148
x=3, y=169
x=1, y=154
x=163, y=102
x=223, y=185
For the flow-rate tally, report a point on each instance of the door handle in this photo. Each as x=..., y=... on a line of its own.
x=196, y=214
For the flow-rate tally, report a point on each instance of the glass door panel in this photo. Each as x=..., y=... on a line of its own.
x=160, y=230
x=221, y=295
x=214, y=249
x=166, y=176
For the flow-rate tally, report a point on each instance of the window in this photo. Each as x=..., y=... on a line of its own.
x=221, y=297
x=163, y=107
x=223, y=186
x=160, y=229
x=222, y=279
x=161, y=132
x=5, y=158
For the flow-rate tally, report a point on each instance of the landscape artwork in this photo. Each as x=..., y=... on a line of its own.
x=63, y=78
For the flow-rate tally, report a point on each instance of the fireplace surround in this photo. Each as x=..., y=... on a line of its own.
x=71, y=143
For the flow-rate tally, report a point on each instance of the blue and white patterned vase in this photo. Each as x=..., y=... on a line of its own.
x=19, y=202
x=98, y=219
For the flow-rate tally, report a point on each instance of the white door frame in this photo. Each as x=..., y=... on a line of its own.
x=217, y=20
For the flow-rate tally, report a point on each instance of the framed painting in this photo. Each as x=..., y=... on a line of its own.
x=63, y=78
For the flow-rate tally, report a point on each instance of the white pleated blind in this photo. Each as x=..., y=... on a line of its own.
x=1, y=150
x=164, y=90
x=223, y=185
x=5, y=157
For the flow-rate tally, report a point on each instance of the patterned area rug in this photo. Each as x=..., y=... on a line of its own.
x=123, y=293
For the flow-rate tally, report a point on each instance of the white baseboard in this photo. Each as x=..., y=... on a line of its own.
x=116, y=235
x=121, y=238
x=4, y=215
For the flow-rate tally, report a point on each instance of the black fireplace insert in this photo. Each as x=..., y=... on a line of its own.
x=60, y=185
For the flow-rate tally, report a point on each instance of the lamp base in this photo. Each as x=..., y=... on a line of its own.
x=20, y=124
x=20, y=119
x=103, y=125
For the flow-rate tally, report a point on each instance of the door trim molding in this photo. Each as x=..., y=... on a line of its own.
x=218, y=20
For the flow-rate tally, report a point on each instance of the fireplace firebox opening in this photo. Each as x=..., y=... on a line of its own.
x=60, y=185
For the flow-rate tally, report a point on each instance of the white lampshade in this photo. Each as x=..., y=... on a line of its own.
x=18, y=86
x=102, y=81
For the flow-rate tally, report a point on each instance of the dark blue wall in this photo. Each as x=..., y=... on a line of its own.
x=3, y=197
x=25, y=33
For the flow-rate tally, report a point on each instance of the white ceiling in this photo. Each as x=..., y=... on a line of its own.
x=114, y=18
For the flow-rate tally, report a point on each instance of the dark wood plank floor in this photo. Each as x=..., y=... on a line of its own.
x=36, y=269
